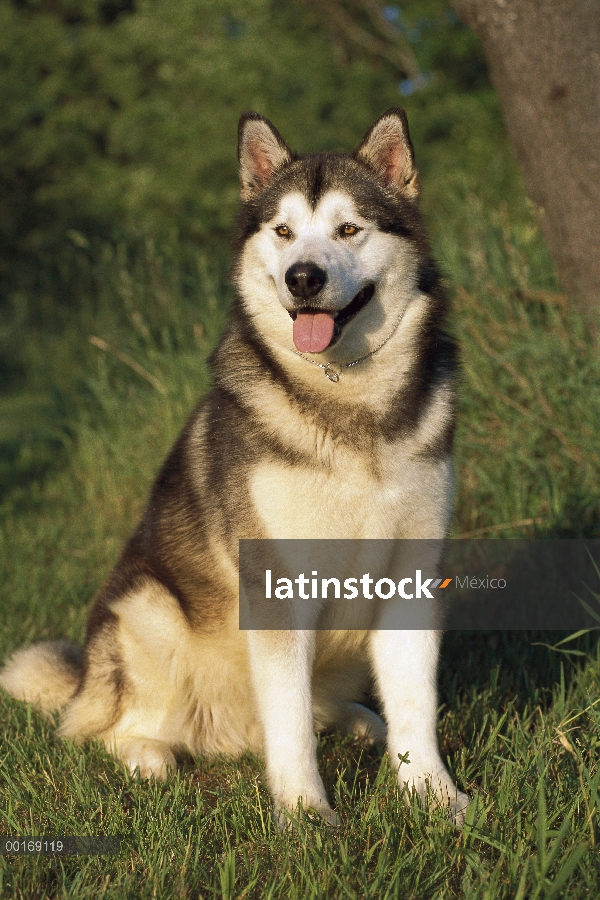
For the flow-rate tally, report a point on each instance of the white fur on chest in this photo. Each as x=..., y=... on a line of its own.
x=396, y=495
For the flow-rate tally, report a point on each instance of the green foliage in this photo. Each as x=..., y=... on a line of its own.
x=121, y=118
x=130, y=121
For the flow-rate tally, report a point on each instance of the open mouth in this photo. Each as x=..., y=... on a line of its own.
x=317, y=329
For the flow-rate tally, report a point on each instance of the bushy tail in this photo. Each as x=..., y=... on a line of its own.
x=47, y=674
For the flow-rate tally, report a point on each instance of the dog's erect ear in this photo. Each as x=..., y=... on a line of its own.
x=388, y=150
x=261, y=151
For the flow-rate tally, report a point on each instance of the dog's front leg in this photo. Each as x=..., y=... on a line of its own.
x=405, y=665
x=281, y=665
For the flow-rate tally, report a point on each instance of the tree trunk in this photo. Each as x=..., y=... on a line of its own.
x=544, y=61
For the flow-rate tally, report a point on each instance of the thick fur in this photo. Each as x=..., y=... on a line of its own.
x=277, y=450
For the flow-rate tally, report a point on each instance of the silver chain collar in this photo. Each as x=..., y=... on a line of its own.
x=330, y=369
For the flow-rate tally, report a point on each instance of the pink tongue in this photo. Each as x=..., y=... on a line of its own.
x=313, y=331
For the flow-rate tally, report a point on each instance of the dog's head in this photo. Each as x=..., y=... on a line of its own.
x=328, y=245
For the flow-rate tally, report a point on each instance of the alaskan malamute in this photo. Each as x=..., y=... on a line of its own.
x=331, y=416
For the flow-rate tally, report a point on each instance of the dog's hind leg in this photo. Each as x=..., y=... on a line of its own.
x=125, y=716
x=133, y=682
x=48, y=674
x=123, y=724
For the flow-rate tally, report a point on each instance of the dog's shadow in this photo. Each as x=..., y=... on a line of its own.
x=519, y=667
x=516, y=667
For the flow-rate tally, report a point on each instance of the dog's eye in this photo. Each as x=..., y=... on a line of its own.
x=347, y=229
x=283, y=231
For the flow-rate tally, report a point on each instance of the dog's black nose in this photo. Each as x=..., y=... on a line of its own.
x=305, y=280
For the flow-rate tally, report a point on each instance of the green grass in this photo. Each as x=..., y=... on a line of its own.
x=207, y=831
x=84, y=432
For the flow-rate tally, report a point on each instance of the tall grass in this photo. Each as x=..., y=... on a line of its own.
x=520, y=724
x=527, y=448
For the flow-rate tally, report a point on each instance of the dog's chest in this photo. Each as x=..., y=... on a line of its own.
x=357, y=495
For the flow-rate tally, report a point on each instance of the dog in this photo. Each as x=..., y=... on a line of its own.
x=332, y=415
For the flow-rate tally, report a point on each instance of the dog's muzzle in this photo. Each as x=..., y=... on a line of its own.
x=316, y=329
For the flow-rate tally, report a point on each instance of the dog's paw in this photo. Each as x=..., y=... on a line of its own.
x=458, y=807
x=146, y=758
x=438, y=787
x=365, y=725
x=352, y=719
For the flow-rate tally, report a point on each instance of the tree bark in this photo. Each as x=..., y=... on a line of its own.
x=544, y=61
